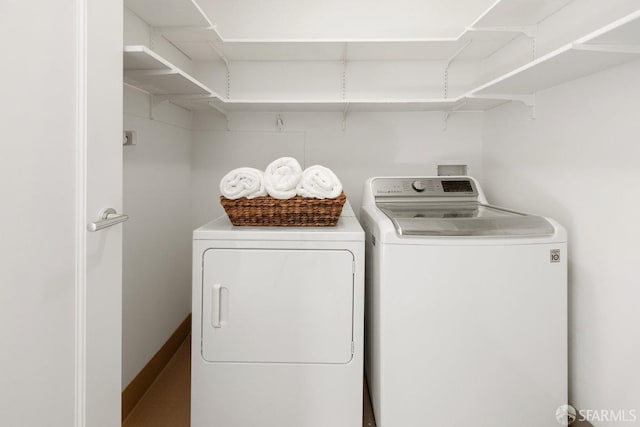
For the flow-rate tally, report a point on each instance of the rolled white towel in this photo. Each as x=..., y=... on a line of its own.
x=319, y=182
x=281, y=177
x=243, y=182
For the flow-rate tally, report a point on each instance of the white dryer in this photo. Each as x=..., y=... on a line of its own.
x=278, y=318
x=466, y=315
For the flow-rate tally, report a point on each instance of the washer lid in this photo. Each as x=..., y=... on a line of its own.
x=462, y=219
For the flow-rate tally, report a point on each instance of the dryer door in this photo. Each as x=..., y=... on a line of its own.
x=277, y=306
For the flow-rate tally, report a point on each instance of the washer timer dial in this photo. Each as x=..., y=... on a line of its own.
x=418, y=185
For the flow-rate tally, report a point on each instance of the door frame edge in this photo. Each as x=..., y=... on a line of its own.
x=80, y=302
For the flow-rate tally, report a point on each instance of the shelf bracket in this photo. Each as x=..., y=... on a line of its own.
x=154, y=102
x=218, y=51
x=279, y=123
x=528, y=100
x=450, y=111
x=221, y=111
x=530, y=31
x=344, y=116
x=159, y=99
x=608, y=48
x=224, y=59
x=533, y=107
x=448, y=65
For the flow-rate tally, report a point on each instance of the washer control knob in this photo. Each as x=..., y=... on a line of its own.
x=418, y=185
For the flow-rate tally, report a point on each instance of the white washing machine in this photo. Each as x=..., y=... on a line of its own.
x=278, y=318
x=466, y=315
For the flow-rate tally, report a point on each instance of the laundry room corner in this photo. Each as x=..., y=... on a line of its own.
x=577, y=162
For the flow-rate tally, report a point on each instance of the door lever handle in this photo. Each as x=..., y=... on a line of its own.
x=107, y=218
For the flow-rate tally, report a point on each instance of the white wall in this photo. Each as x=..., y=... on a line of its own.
x=323, y=80
x=372, y=144
x=157, y=196
x=157, y=237
x=37, y=247
x=578, y=163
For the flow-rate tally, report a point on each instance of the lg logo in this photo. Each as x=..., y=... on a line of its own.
x=555, y=255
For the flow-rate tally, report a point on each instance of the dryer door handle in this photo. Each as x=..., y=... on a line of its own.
x=216, y=293
x=219, y=305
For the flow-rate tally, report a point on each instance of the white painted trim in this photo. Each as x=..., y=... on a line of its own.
x=204, y=15
x=80, y=214
x=486, y=12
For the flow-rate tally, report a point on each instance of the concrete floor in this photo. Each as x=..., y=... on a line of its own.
x=167, y=402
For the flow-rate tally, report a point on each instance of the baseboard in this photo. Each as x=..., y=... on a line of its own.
x=141, y=383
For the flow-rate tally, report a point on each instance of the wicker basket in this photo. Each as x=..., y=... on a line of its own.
x=295, y=212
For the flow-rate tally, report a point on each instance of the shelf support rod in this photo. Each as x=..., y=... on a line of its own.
x=448, y=64
x=221, y=111
x=344, y=116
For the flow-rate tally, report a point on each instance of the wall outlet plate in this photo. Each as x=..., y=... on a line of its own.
x=129, y=137
x=453, y=170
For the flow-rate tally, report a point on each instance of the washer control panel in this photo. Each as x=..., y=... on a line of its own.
x=418, y=185
x=424, y=187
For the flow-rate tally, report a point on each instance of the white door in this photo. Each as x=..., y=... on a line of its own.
x=280, y=306
x=60, y=163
